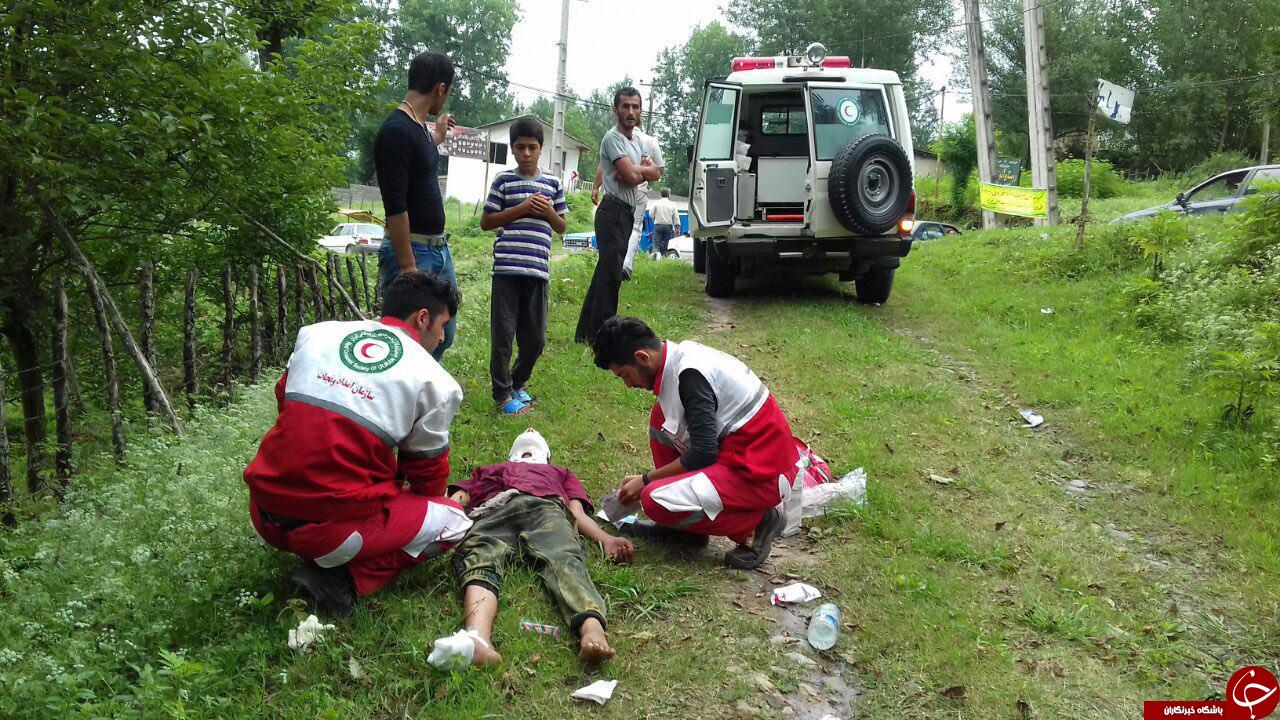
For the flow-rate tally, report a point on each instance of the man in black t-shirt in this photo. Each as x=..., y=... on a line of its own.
x=407, y=161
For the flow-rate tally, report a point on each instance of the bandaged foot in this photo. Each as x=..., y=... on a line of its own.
x=461, y=650
x=593, y=646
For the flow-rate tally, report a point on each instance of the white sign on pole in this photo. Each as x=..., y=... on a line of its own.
x=1114, y=101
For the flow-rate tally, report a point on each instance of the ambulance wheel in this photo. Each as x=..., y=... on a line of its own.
x=720, y=271
x=700, y=256
x=874, y=287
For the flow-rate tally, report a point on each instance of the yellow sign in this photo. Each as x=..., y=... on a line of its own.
x=1011, y=200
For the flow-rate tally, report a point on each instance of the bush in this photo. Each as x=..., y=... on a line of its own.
x=582, y=213
x=1105, y=182
x=1216, y=163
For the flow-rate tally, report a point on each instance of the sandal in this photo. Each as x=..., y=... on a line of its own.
x=523, y=396
x=513, y=406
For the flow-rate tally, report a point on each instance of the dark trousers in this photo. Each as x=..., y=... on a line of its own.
x=614, y=219
x=662, y=235
x=518, y=310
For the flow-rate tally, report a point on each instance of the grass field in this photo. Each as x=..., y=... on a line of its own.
x=1125, y=550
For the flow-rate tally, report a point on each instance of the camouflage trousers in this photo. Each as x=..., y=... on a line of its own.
x=541, y=528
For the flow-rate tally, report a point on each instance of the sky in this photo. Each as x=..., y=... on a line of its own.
x=604, y=45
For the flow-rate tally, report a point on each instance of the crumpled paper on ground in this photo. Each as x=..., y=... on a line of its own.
x=308, y=631
x=852, y=486
x=612, y=510
x=454, y=652
x=1033, y=420
x=598, y=691
x=795, y=593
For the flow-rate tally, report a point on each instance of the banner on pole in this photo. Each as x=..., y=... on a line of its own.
x=1114, y=101
x=463, y=142
x=1011, y=200
x=1009, y=171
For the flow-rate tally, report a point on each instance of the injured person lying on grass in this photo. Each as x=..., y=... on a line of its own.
x=529, y=506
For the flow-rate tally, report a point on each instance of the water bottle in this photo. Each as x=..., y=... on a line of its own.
x=824, y=626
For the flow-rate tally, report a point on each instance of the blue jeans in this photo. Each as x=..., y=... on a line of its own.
x=428, y=259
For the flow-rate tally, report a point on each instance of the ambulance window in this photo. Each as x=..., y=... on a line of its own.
x=842, y=114
x=715, y=141
x=782, y=120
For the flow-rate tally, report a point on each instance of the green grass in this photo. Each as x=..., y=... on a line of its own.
x=146, y=594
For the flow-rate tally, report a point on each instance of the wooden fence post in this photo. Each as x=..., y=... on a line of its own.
x=228, y=331
x=299, y=284
x=282, y=316
x=255, y=326
x=377, y=294
x=147, y=333
x=351, y=278
x=109, y=366
x=190, y=383
x=6, y=471
x=364, y=281
x=61, y=399
x=317, y=302
x=332, y=306
x=268, y=318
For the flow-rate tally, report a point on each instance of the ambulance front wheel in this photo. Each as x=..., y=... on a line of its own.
x=720, y=270
x=700, y=256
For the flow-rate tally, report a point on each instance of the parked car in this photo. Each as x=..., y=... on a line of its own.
x=1219, y=194
x=353, y=238
x=931, y=229
x=802, y=161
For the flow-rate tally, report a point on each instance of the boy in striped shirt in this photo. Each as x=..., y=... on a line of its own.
x=525, y=207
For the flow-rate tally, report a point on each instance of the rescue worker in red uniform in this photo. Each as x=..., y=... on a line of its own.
x=364, y=410
x=723, y=453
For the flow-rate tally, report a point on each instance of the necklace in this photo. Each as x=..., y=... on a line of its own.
x=409, y=111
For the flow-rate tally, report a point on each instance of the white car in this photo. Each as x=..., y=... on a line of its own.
x=802, y=161
x=353, y=238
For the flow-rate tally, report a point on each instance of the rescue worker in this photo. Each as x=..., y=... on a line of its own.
x=723, y=453
x=364, y=409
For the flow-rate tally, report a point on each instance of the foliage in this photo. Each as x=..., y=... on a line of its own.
x=956, y=148
x=679, y=76
x=1218, y=163
x=1104, y=181
x=1165, y=233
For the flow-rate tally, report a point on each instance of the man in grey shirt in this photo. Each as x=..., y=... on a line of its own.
x=622, y=169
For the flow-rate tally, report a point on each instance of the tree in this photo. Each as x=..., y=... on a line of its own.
x=679, y=76
x=476, y=34
x=888, y=34
x=957, y=149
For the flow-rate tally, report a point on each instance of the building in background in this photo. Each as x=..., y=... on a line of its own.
x=466, y=175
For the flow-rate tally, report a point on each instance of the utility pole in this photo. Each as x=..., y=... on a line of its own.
x=1265, y=155
x=985, y=134
x=937, y=168
x=644, y=124
x=557, y=125
x=1039, y=121
x=1092, y=107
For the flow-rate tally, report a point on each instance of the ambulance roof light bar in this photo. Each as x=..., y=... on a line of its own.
x=769, y=63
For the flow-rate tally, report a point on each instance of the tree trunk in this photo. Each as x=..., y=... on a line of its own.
x=30, y=371
x=299, y=283
x=255, y=327
x=108, y=365
x=73, y=387
x=6, y=471
x=190, y=383
x=282, y=316
x=364, y=281
x=268, y=319
x=228, y=331
x=351, y=278
x=61, y=399
x=147, y=331
x=316, y=301
x=91, y=278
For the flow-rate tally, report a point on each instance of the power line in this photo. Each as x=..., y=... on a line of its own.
x=551, y=94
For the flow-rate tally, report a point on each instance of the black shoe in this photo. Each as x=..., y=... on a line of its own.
x=650, y=530
x=331, y=590
x=749, y=558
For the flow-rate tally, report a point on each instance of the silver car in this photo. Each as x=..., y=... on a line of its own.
x=1219, y=194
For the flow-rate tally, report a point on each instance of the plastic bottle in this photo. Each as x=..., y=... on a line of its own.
x=824, y=626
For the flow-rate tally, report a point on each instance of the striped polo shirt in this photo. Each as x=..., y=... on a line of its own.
x=523, y=247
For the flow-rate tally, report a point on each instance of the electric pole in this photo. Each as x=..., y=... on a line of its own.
x=1039, y=121
x=557, y=125
x=942, y=119
x=1266, y=142
x=647, y=113
x=984, y=133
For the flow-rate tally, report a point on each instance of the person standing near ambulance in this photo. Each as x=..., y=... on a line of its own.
x=723, y=453
x=363, y=409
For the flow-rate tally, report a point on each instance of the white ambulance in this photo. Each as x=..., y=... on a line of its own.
x=802, y=161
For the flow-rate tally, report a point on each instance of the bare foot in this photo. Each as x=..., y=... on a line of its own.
x=484, y=654
x=593, y=647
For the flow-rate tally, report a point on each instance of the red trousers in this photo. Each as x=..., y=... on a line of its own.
x=409, y=530
x=753, y=473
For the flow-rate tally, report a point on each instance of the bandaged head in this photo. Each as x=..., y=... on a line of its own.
x=530, y=447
